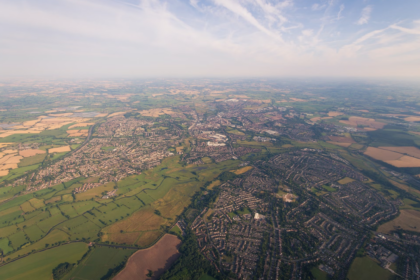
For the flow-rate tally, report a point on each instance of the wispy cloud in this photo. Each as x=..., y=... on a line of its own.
x=365, y=15
x=204, y=38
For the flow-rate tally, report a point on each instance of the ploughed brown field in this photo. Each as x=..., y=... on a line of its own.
x=391, y=156
x=157, y=258
x=335, y=114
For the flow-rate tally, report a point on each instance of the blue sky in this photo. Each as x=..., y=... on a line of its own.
x=210, y=38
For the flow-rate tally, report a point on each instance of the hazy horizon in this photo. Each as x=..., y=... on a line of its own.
x=217, y=38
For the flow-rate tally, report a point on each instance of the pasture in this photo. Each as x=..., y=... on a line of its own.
x=367, y=269
x=39, y=266
x=407, y=220
x=97, y=263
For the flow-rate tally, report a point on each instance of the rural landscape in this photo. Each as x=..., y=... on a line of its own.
x=209, y=179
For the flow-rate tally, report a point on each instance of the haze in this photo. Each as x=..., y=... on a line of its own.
x=214, y=38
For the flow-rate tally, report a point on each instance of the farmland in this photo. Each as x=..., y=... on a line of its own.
x=367, y=269
x=157, y=258
x=407, y=220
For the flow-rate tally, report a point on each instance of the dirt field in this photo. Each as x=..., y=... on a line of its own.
x=157, y=259
x=242, y=170
x=31, y=152
x=335, y=114
x=4, y=172
x=381, y=154
x=412, y=119
x=59, y=150
x=407, y=220
x=355, y=121
x=320, y=118
x=410, y=151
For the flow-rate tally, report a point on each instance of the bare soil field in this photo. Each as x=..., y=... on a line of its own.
x=355, y=121
x=410, y=151
x=407, y=220
x=320, y=118
x=381, y=154
x=335, y=114
x=157, y=258
x=59, y=150
x=412, y=119
x=31, y=152
x=78, y=133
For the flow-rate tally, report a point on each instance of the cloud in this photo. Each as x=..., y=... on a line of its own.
x=111, y=38
x=317, y=7
x=365, y=15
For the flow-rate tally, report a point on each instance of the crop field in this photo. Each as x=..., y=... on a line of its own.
x=410, y=151
x=156, y=258
x=335, y=114
x=407, y=220
x=59, y=149
x=367, y=269
x=4, y=246
x=359, y=121
x=393, y=158
x=31, y=152
x=242, y=170
x=98, y=262
x=28, y=161
x=39, y=266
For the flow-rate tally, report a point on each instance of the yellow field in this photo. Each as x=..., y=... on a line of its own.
x=31, y=152
x=81, y=125
x=381, y=154
x=407, y=220
x=320, y=118
x=159, y=111
x=242, y=170
x=148, y=237
x=42, y=123
x=59, y=150
x=2, y=145
x=116, y=114
x=214, y=184
x=345, y=181
x=78, y=133
x=410, y=151
x=405, y=161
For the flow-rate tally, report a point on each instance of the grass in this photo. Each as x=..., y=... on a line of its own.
x=206, y=277
x=329, y=189
x=319, y=274
x=176, y=230
x=407, y=220
x=39, y=266
x=32, y=160
x=242, y=170
x=367, y=269
x=345, y=180
x=4, y=245
x=98, y=262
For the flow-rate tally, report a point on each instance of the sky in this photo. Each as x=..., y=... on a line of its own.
x=209, y=38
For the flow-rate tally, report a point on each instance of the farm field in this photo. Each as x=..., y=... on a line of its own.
x=98, y=262
x=39, y=266
x=391, y=157
x=156, y=258
x=367, y=269
x=407, y=220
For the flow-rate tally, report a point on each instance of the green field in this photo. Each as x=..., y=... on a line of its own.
x=97, y=263
x=367, y=269
x=39, y=266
